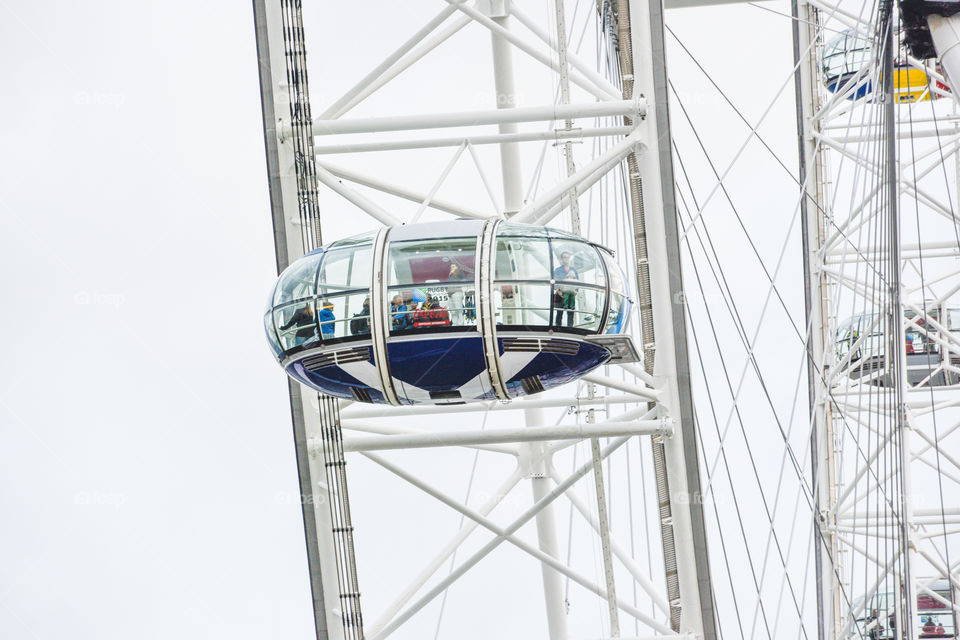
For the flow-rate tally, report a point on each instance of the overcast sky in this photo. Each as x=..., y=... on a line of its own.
x=146, y=455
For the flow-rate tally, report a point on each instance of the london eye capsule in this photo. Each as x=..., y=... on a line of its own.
x=847, y=63
x=449, y=313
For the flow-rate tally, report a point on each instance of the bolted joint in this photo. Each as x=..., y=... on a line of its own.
x=666, y=428
x=640, y=106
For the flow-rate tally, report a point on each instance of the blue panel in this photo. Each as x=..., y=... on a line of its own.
x=437, y=364
x=840, y=84
x=555, y=369
x=333, y=381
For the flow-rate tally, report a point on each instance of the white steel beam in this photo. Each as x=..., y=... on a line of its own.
x=399, y=64
x=599, y=165
x=401, y=192
x=358, y=411
x=337, y=109
x=640, y=391
x=499, y=31
x=574, y=60
x=656, y=595
x=352, y=195
x=515, y=115
x=445, y=552
x=390, y=429
x=534, y=456
x=506, y=435
x=556, y=135
x=530, y=513
x=547, y=560
x=439, y=183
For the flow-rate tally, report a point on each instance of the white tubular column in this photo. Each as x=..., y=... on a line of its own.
x=506, y=99
x=534, y=457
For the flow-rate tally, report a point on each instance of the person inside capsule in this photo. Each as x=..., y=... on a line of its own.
x=302, y=320
x=326, y=318
x=398, y=312
x=360, y=324
x=565, y=298
x=455, y=294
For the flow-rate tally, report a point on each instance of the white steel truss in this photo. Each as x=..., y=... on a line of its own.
x=886, y=483
x=604, y=123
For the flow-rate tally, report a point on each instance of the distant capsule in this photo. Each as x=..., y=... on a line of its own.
x=849, y=68
x=460, y=311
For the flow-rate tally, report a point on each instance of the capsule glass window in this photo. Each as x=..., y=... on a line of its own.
x=576, y=261
x=617, y=283
x=431, y=307
x=519, y=258
x=297, y=281
x=345, y=270
x=272, y=334
x=521, y=305
x=344, y=316
x=616, y=313
x=433, y=262
x=296, y=324
x=579, y=308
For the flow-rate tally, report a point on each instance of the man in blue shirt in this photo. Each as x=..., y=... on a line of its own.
x=564, y=298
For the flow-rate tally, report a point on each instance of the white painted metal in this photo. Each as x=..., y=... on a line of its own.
x=495, y=436
x=857, y=540
x=696, y=612
x=401, y=191
x=586, y=176
x=545, y=558
x=556, y=135
x=541, y=503
x=339, y=107
x=813, y=205
x=561, y=46
x=650, y=403
x=593, y=82
x=376, y=411
x=289, y=243
x=505, y=115
x=368, y=206
x=535, y=457
x=603, y=525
